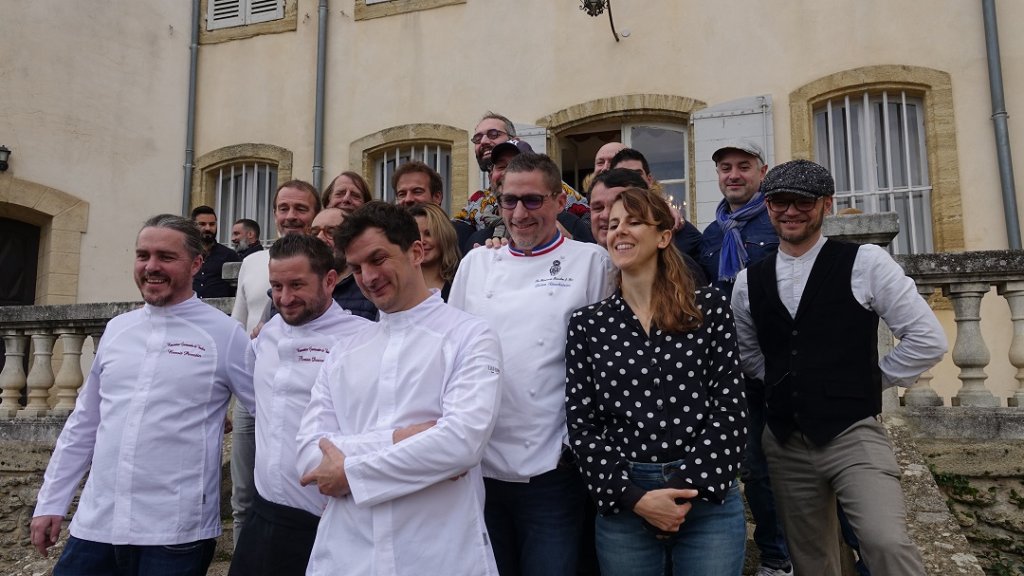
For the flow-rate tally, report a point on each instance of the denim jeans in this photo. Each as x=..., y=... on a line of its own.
x=87, y=558
x=768, y=534
x=710, y=541
x=535, y=526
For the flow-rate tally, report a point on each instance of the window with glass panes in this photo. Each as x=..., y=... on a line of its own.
x=874, y=145
x=245, y=190
x=385, y=162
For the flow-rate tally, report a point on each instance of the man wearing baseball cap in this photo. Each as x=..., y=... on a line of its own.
x=742, y=234
x=807, y=325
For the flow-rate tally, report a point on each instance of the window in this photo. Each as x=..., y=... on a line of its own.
x=915, y=130
x=444, y=148
x=228, y=13
x=367, y=9
x=386, y=161
x=664, y=146
x=245, y=191
x=874, y=146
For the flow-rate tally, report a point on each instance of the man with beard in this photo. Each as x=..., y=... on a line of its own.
x=295, y=204
x=148, y=425
x=245, y=237
x=287, y=356
x=481, y=210
x=807, y=326
x=208, y=283
x=398, y=419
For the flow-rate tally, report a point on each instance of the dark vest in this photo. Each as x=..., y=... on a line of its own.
x=821, y=368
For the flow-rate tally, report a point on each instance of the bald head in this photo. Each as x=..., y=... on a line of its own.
x=603, y=159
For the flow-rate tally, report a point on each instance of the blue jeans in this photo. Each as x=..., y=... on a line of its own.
x=87, y=558
x=710, y=541
x=768, y=533
x=535, y=526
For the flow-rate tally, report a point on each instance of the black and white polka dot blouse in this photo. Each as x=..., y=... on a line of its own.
x=633, y=397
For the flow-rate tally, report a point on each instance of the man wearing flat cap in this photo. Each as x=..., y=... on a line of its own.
x=807, y=323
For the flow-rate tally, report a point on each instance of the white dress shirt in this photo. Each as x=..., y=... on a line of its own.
x=251, y=299
x=287, y=360
x=527, y=301
x=410, y=511
x=878, y=284
x=150, y=420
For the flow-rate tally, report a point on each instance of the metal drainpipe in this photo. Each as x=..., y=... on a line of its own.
x=190, y=123
x=321, y=65
x=1002, y=129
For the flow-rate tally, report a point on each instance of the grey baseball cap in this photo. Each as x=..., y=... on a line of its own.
x=742, y=145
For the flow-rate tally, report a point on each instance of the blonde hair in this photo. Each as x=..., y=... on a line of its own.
x=444, y=236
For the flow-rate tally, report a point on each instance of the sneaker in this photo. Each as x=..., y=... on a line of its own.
x=769, y=571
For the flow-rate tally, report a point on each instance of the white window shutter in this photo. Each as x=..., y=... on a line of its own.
x=749, y=118
x=265, y=10
x=535, y=136
x=224, y=13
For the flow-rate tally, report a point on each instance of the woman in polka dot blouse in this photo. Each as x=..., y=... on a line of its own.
x=655, y=407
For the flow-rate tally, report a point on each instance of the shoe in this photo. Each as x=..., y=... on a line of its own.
x=769, y=571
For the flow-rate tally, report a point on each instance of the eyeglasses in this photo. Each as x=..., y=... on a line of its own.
x=780, y=205
x=491, y=134
x=316, y=230
x=530, y=201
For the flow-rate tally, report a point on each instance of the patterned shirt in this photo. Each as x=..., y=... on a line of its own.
x=659, y=398
x=482, y=208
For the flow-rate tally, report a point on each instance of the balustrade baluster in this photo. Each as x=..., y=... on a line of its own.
x=970, y=353
x=1014, y=294
x=40, y=375
x=12, y=379
x=921, y=393
x=69, y=377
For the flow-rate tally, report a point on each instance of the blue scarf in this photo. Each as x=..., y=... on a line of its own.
x=733, y=256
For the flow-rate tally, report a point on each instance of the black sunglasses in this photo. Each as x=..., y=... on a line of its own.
x=530, y=201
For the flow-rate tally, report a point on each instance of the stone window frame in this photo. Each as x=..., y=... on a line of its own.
x=629, y=109
x=289, y=23
x=207, y=166
x=364, y=151
x=364, y=11
x=62, y=220
x=935, y=89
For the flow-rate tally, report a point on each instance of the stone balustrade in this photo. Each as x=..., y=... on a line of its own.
x=965, y=278
x=31, y=388
x=31, y=335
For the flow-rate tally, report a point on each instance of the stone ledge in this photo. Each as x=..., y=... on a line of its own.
x=976, y=266
x=79, y=315
x=963, y=422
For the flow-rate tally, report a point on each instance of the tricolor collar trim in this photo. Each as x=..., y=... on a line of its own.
x=539, y=250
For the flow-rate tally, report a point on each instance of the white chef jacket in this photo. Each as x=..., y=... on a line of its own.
x=150, y=419
x=527, y=301
x=287, y=360
x=405, y=516
x=878, y=284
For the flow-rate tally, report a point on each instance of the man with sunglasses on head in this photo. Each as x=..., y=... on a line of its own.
x=481, y=210
x=526, y=292
x=807, y=325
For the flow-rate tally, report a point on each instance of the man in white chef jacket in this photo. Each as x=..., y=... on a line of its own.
x=287, y=356
x=398, y=420
x=526, y=292
x=148, y=425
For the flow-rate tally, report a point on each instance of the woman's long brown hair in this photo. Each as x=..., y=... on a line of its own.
x=673, y=301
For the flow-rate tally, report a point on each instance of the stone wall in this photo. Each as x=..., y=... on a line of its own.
x=984, y=486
